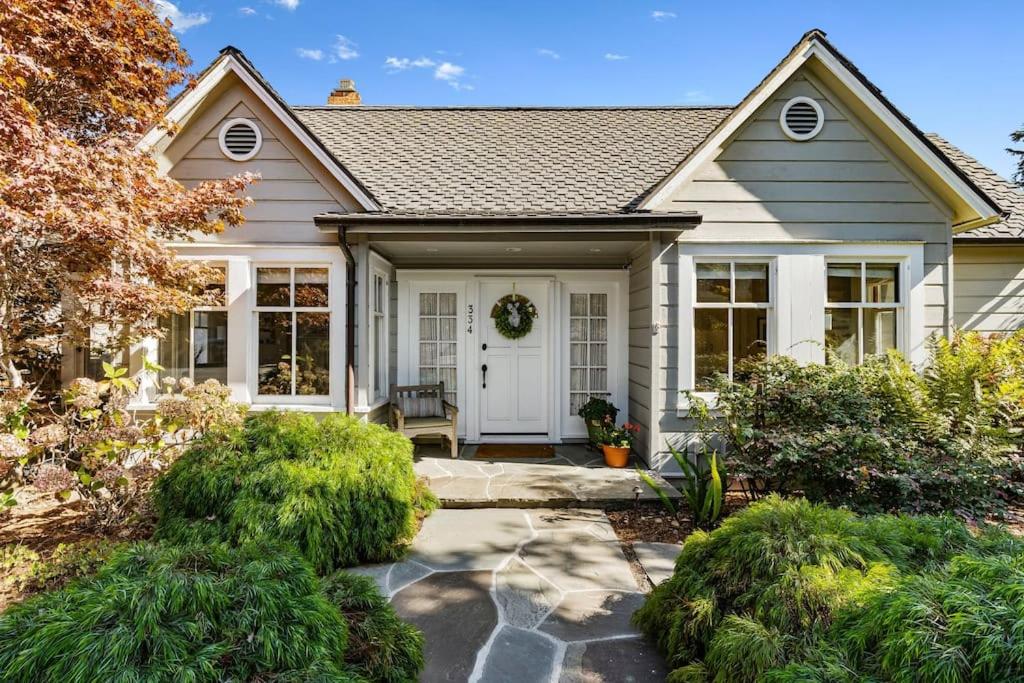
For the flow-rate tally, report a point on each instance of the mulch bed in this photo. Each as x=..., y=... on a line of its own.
x=653, y=522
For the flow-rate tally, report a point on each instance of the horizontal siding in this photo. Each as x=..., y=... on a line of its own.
x=841, y=186
x=639, y=345
x=293, y=187
x=988, y=288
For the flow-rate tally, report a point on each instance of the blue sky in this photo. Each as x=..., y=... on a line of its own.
x=955, y=68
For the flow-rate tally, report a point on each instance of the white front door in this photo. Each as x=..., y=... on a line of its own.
x=514, y=387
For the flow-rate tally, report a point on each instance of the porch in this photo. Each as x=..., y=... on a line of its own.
x=574, y=476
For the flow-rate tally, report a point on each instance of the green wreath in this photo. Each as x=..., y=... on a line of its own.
x=513, y=316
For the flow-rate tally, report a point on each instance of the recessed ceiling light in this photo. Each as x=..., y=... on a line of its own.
x=513, y=250
x=432, y=250
x=595, y=250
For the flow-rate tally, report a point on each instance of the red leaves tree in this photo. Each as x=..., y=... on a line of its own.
x=84, y=213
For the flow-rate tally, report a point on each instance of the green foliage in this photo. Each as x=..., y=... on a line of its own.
x=69, y=561
x=598, y=409
x=381, y=647
x=343, y=492
x=764, y=590
x=180, y=613
x=880, y=436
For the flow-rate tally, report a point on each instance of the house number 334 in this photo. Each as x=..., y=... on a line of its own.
x=469, y=319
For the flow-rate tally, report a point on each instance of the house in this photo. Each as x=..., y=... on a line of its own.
x=657, y=245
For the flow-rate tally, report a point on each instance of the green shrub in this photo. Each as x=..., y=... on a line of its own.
x=763, y=590
x=180, y=613
x=881, y=437
x=381, y=646
x=342, y=491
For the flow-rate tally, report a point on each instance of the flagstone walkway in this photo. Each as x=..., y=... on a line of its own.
x=575, y=477
x=518, y=596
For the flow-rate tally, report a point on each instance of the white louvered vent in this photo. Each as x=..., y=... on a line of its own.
x=240, y=139
x=802, y=118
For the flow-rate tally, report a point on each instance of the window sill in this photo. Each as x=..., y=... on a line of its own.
x=684, y=405
x=297, y=407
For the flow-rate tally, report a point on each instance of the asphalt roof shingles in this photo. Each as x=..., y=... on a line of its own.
x=491, y=160
x=1008, y=196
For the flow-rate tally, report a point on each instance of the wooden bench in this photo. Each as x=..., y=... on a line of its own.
x=420, y=410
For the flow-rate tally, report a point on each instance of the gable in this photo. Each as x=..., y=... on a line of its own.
x=971, y=207
x=294, y=185
x=764, y=184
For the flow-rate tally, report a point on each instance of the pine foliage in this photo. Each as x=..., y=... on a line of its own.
x=787, y=586
x=343, y=492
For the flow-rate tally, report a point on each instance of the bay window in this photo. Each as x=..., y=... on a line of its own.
x=293, y=322
x=731, y=317
x=863, y=309
x=195, y=344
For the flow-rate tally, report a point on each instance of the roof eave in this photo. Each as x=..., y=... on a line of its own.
x=497, y=223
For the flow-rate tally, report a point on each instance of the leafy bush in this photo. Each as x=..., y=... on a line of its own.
x=68, y=561
x=880, y=436
x=764, y=589
x=341, y=491
x=203, y=613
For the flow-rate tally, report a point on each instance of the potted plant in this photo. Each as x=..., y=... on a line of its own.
x=616, y=442
x=594, y=412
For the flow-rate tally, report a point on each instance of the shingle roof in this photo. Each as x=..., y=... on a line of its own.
x=501, y=160
x=1008, y=196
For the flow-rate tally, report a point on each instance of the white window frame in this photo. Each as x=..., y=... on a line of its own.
x=900, y=304
x=254, y=363
x=731, y=305
x=379, y=394
x=610, y=379
x=223, y=308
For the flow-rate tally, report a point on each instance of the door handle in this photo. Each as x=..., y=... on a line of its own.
x=483, y=369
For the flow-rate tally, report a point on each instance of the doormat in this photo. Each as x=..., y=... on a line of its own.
x=491, y=451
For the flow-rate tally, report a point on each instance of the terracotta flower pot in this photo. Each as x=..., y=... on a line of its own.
x=615, y=456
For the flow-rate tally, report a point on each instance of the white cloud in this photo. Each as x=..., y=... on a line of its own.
x=345, y=48
x=452, y=75
x=288, y=4
x=315, y=55
x=662, y=15
x=395, y=64
x=613, y=57
x=246, y=11
x=180, y=21
x=550, y=54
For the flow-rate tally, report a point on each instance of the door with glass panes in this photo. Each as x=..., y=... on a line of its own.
x=438, y=339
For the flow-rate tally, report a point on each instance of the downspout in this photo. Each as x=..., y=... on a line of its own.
x=350, y=321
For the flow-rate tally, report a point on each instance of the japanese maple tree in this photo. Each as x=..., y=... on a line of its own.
x=84, y=213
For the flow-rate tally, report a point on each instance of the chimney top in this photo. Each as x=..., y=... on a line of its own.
x=345, y=93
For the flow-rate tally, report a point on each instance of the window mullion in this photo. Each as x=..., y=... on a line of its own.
x=729, y=329
x=191, y=345
x=295, y=360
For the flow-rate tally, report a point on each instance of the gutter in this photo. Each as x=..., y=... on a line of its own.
x=350, y=320
x=357, y=223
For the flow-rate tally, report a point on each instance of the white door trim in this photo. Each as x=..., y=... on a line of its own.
x=473, y=312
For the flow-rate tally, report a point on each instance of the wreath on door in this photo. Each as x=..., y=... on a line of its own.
x=513, y=316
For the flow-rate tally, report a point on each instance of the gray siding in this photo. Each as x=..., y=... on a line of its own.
x=639, y=351
x=842, y=185
x=293, y=188
x=989, y=287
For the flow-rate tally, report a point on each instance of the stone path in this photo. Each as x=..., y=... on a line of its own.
x=657, y=559
x=517, y=596
x=556, y=482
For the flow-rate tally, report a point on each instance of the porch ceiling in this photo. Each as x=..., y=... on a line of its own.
x=518, y=251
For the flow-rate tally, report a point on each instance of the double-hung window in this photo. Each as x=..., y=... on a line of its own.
x=379, y=330
x=731, y=317
x=195, y=344
x=863, y=313
x=293, y=322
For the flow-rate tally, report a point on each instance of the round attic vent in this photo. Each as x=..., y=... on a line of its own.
x=801, y=118
x=240, y=139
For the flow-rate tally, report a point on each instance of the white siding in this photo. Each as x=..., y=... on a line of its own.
x=639, y=345
x=989, y=287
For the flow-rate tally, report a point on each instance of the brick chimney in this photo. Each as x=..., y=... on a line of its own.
x=345, y=93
